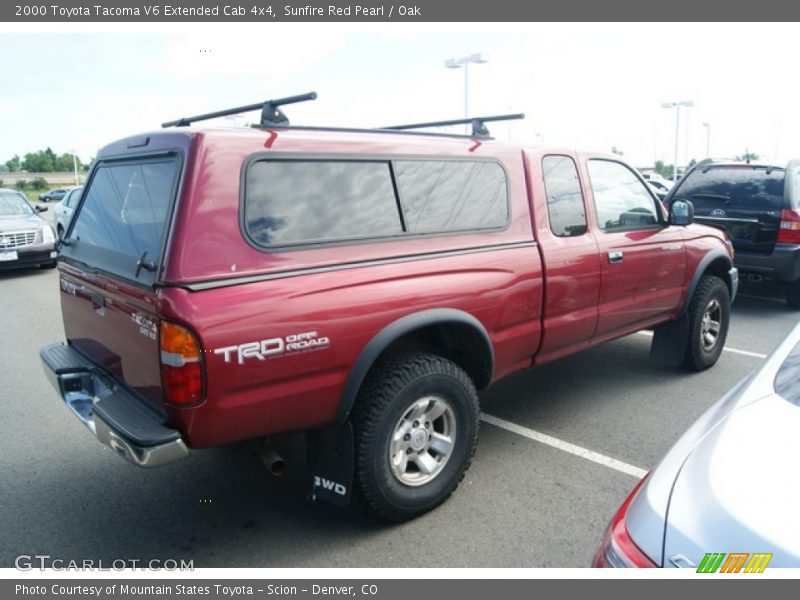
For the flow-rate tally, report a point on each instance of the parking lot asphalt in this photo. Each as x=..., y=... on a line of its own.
x=522, y=504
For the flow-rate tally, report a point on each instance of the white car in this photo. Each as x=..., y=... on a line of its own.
x=63, y=211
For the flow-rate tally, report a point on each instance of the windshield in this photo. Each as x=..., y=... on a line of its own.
x=14, y=204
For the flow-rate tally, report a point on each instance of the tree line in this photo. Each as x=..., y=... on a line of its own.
x=44, y=161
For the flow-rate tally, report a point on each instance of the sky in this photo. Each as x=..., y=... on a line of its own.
x=585, y=86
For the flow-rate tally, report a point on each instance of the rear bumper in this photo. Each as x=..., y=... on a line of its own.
x=782, y=265
x=115, y=416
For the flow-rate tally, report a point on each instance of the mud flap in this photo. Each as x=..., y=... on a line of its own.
x=331, y=455
x=669, y=342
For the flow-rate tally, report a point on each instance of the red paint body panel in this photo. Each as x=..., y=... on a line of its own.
x=302, y=390
x=537, y=296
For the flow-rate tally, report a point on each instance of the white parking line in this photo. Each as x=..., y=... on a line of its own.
x=542, y=438
x=725, y=349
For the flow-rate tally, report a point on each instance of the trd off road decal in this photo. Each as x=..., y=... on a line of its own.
x=291, y=344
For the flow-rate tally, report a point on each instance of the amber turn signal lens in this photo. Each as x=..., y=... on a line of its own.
x=178, y=340
x=181, y=365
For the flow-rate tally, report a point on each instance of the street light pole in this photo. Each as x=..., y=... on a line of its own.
x=464, y=61
x=708, y=139
x=677, y=107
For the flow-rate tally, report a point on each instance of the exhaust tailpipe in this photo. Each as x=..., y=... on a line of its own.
x=272, y=460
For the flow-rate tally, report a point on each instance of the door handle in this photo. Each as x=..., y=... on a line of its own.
x=615, y=256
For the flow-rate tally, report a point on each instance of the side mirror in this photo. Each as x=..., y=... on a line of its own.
x=40, y=209
x=681, y=212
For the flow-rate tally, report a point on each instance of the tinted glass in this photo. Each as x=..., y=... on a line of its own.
x=309, y=201
x=13, y=204
x=452, y=195
x=744, y=186
x=621, y=199
x=564, y=197
x=124, y=216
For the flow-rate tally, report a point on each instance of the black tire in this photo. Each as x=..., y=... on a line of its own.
x=395, y=388
x=713, y=300
x=793, y=295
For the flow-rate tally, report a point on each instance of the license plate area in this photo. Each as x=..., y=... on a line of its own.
x=6, y=256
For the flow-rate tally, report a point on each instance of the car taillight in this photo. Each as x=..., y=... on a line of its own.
x=617, y=549
x=789, y=232
x=181, y=365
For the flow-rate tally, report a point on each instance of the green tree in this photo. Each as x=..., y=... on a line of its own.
x=617, y=151
x=21, y=184
x=65, y=163
x=747, y=156
x=13, y=164
x=39, y=162
x=662, y=169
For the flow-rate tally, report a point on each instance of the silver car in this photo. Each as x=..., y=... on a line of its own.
x=26, y=239
x=63, y=211
x=725, y=497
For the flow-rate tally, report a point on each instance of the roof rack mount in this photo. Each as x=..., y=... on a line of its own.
x=271, y=114
x=479, y=129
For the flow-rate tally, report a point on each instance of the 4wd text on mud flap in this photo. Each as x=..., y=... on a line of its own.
x=327, y=484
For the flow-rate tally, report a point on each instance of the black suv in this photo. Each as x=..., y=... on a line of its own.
x=759, y=206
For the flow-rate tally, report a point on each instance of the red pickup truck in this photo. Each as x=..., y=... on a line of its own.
x=359, y=286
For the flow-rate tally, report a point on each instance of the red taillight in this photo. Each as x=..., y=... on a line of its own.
x=181, y=365
x=617, y=548
x=789, y=232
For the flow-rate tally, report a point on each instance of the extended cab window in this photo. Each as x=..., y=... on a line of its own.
x=121, y=224
x=289, y=201
x=564, y=197
x=452, y=195
x=621, y=199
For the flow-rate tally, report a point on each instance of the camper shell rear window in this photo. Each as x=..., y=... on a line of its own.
x=122, y=219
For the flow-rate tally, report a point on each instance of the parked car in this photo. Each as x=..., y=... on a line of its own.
x=359, y=286
x=759, y=206
x=53, y=195
x=26, y=239
x=62, y=212
x=662, y=186
x=725, y=489
x=651, y=176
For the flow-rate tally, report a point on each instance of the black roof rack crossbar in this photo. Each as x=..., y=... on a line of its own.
x=271, y=115
x=479, y=129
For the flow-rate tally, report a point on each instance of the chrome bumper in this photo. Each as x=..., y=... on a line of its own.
x=115, y=416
